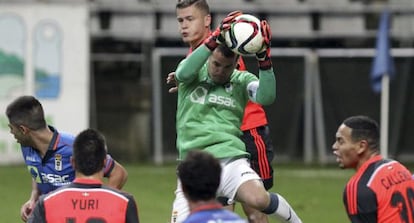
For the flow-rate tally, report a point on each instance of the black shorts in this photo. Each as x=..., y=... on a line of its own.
x=259, y=145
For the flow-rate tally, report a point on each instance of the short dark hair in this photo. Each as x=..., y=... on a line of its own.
x=364, y=128
x=225, y=50
x=28, y=111
x=200, y=175
x=199, y=4
x=89, y=152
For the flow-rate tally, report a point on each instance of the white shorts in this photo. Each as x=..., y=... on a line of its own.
x=234, y=173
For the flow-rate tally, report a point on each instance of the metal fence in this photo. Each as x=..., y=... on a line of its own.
x=316, y=90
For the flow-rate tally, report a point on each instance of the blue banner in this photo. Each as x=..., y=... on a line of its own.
x=383, y=62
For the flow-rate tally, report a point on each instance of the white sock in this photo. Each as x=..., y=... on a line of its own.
x=283, y=210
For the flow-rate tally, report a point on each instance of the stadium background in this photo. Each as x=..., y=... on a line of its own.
x=322, y=52
x=340, y=34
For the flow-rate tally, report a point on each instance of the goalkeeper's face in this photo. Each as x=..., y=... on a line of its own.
x=220, y=67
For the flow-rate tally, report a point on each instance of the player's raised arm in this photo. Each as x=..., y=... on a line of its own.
x=118, y=176
x=115, y=172
x=266, y=90
x=189, y=67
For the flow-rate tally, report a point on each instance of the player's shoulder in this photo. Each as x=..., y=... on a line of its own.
x=55, y=192
x=379, y=174
x=28, y=150
x=242, y=76
x=67, y=137
x=118, y=192
x=66, y=140
x=391, y=168
x=215, y=214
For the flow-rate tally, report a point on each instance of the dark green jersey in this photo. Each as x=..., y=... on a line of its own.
x=209, y=115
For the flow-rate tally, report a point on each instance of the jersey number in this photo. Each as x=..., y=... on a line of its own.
x=398, y=200
x=89, y=220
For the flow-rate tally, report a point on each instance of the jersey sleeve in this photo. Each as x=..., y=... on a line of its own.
x=38, y=214
x=361, y=204
x=188, y=68
x=264, y=90
x=109, y=165
x=132, y=211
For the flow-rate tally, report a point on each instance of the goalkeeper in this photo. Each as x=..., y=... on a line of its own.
x=211, y=101
x=194, y=21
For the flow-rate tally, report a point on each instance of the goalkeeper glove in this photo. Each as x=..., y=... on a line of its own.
x=216, y=37
x=263, y=57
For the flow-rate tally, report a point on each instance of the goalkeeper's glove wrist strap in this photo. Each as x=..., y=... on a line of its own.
x=211, y=43
x=265, y=64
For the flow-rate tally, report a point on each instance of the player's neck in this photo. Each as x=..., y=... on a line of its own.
x=202, y=205
x=42, y=139
x=366, y=157
x=95, y=176
x=197, y=43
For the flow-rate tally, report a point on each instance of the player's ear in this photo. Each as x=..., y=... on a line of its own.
x=207, y=21
x=362, y=146
x=23, y=129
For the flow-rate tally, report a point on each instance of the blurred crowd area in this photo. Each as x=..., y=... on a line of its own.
x=130, y=29
x=295, y=23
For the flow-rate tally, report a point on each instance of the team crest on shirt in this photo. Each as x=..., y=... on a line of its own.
x=58, y=162
x=228, y=87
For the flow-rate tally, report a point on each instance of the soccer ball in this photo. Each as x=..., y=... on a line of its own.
x=244, y=36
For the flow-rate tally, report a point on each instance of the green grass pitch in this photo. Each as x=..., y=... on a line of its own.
x=314, y=192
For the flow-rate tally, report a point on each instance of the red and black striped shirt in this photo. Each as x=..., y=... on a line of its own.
x=381, y=191
x=85, y=200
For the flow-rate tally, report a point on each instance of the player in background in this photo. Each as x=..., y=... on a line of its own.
x=86, y=199
x=381, y=190
x=194, y=21
x=212, y=125
x=47, y=152
x=200, y=175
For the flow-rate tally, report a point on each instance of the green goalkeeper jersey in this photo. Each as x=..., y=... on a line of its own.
x=209, y=115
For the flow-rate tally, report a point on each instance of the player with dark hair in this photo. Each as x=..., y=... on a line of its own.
x=212, y=96
x=200, y=175
x=194, y=19
x=381, y=190
x=47, y=152
x=86, y=199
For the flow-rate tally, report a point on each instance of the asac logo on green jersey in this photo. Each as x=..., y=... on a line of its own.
x=199, y=96
x=221, y=100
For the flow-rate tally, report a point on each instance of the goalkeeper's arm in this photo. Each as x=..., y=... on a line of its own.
x=189, y=67
x=264, y=90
